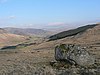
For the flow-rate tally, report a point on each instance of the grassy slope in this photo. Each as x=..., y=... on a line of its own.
x=71, y=32
x=34, y=59
x=8, y=39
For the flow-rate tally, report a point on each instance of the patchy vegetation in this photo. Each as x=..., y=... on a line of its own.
x=74, y=54
x=71, y=32
x=36, y=56
x=18, y=46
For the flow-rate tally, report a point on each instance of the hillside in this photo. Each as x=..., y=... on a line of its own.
x=9, y=39
x=71, y=32
x=89, y=36
x=28, y=31
x=2, y=31
x=35, y=58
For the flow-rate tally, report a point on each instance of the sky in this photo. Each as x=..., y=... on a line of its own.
x=48, y=13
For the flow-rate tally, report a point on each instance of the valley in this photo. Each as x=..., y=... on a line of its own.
x=31, y=55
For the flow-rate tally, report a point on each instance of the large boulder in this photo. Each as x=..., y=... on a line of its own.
x=74, y=54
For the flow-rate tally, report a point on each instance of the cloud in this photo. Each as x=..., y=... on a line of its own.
x=12, y=17
x=56, y=23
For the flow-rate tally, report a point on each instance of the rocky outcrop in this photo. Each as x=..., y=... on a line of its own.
x=74, y=54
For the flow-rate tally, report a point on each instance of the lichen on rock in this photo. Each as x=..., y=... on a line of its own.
x=75, y=54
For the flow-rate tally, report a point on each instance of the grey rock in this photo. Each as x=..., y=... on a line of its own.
x=75, y=54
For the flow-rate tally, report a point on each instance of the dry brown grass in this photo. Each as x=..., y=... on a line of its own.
x=34, y=60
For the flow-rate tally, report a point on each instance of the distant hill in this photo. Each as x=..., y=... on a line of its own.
x=9, y=39
x=2, y=31
x=71, y=32
x=28, y=31
x=91, y=35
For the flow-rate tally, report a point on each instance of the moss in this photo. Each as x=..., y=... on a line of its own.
x=63, y=48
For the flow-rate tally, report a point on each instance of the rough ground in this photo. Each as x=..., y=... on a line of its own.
x=35, y=59
x=29, y=61
x=24, y=63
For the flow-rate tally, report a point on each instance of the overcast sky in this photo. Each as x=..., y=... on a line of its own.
x=48, y=13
